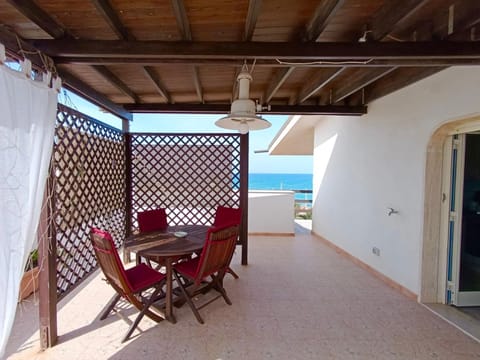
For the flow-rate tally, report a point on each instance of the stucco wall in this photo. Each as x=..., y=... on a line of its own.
x=271, y=212
x=363, y=165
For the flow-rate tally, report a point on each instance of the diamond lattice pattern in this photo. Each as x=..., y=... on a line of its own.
x=89, y=190
x=188, y=174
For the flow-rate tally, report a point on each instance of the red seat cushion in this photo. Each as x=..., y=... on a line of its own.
x=227, y=216
x=152, y=220
x=188, y=268
x=142, y=276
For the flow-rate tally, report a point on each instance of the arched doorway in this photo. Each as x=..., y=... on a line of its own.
x=434, y=254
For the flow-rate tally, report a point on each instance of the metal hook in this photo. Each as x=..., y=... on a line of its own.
x=392, y=211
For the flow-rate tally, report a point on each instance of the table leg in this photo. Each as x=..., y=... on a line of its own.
x=168, y=304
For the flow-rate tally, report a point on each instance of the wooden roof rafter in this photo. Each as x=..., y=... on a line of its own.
x=456, y=20
x=49, y=25
x=323, y=13
x=321, y=17
x=22, y=49
x=122, y=32
x=116, y=82
x=152, y=75
x=38, y=16
x=359, y=82
x=318, y=83
x=111, y=17
x=391, y=14
x=184, y=27
x=254, y=7
x=383, y=23
x=305, y=54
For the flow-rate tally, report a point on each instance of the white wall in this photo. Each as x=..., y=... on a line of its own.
x=362, y=165
x=271, y=212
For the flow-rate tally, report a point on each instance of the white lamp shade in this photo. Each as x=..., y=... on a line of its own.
x=242, y=115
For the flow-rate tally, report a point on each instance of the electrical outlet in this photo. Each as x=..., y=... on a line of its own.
x=376, y=251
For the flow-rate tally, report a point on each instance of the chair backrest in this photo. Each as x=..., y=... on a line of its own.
x=109, y=261
x=217, y=252
x=152, y=220
x=227, y=216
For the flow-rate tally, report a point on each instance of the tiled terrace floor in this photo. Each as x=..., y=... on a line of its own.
x=297, y=299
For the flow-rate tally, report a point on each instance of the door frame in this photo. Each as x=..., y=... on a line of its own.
x=434, y=247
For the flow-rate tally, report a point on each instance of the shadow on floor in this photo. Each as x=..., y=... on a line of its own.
x=303, y=226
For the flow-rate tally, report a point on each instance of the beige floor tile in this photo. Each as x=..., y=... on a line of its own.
x=297, y=299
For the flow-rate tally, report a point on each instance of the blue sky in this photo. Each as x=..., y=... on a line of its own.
x=259, y=140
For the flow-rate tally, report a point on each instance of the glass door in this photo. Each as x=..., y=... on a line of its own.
x=464, y=228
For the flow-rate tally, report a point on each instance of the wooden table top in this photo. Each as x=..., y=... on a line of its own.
x=165, y=244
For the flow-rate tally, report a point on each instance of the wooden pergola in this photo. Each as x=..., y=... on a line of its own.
x=330, y=57
x=182, y=56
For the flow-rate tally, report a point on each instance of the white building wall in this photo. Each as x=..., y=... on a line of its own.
x=364, y=165
x=271, y=212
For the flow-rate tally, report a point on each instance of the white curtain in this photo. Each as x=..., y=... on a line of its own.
x=27, y=122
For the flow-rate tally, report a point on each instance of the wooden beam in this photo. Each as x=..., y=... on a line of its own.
x=152, y=75
x=318, y=83
x=358, y=82
x=20, y=49
x=397, y=80
x=80, y=88
x=270, y=63
x=111, y=17
x=260, y=50
x=198, y=86
x=36, y=14
x=116, y=25
x=225, y=108
x=277, y=82
x=69, y=81
x=184, y=27
x=385, y=20
x=115, y=81
x=322, y=15
x=392, y=13
x=254, y=7
x=182, y=19
x=466, y=14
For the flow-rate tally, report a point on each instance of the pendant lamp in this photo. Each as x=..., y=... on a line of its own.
x=242, y=115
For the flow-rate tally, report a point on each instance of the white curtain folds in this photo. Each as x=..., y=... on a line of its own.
x=27, y=122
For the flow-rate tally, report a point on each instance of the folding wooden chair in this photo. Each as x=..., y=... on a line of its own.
x=151, y=220
x=141, y=285
x=228, y=216
x=212, y=263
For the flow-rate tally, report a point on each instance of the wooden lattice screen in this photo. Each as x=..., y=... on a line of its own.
x=188, y=174
x=93, y=171
x=88, y=173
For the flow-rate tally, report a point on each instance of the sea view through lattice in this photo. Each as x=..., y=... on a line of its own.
x=260, y=181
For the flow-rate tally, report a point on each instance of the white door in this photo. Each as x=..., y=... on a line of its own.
x=463, y=263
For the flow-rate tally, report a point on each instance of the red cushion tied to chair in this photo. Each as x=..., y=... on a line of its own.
x=225, y=215
x=152, y=220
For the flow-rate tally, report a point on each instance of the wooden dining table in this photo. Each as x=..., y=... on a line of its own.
x=166, y=247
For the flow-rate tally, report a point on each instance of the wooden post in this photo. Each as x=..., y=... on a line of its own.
x=244, y=196
x=128, y=184
x=47, y=257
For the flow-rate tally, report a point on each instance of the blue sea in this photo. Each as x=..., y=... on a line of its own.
x=259, y=181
